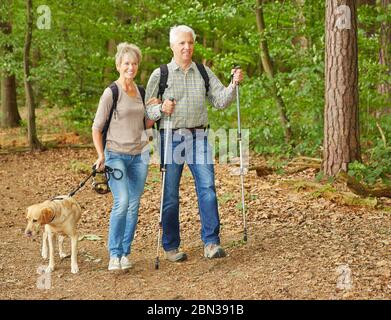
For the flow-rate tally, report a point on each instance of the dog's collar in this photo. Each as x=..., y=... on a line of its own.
x=55, y=199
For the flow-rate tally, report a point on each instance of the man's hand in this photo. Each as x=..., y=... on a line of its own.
x=237, y=75
x=168, y=106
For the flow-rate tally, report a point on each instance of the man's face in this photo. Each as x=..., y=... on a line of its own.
x=183, y=47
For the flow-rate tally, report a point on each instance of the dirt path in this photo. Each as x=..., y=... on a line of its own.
x=298, y=247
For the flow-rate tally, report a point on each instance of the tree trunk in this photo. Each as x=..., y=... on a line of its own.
x=369, y=2
x=111, y=49
x=299, y=23
x=32, y=132
x=341, y=125
x=268, y=67
x=9, y=114
x=384, y=53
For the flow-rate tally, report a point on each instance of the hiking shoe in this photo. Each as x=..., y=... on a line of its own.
x=125, y=263
x=175, y=256
x=213, y=250
x=114, y=264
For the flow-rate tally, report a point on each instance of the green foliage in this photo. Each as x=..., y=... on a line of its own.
x=71, y=62
x=80, y=118
x=376, y=169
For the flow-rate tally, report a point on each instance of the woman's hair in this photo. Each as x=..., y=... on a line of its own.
x=127, y=48
x=182, y=28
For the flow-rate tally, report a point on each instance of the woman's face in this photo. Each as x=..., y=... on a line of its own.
x=128, y=67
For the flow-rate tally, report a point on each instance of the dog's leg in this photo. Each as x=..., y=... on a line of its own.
x=74, y=266
x=60, y=247
x=50, y=267
x=44, y=251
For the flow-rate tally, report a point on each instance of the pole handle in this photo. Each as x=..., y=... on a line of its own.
x=232, y=74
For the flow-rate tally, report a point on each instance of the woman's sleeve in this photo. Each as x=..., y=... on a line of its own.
x=103, y=111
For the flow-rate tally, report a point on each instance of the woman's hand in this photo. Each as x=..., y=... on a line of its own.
x=100, y=164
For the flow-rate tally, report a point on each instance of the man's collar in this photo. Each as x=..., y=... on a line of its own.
x=175, y=66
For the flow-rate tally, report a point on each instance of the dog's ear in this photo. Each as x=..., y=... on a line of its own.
x=46, y=215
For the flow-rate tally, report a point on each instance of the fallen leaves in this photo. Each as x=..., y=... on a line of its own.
x=90, y=237
x=295, y=240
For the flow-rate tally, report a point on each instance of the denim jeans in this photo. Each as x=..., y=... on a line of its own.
x=126, y=192
x=194, y=149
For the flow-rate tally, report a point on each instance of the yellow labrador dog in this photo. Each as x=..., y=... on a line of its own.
x=59, y=216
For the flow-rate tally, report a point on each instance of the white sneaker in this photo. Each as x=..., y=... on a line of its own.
x=114, y=264
x=125, y=263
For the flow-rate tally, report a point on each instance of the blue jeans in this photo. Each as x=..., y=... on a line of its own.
x=126, y=192
x=192, y=148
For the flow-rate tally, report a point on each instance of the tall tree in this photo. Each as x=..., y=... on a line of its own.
x=9, y=114
x=32, y=132
x=341, y=124
x=384, y=53
x=268, y=67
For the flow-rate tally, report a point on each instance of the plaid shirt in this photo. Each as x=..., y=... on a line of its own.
x=188, y=89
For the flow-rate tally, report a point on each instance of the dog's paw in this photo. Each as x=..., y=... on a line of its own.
x=75, y=269
x=49, y=269
x=44, y=255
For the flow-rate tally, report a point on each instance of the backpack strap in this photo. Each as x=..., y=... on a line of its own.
x=114, y=90
x=142, y=92
x=204, y=74
x=162, y=87
x=163, y=80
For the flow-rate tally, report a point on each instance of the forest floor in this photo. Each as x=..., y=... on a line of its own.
x=300, y=245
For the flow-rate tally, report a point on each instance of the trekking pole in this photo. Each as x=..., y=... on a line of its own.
x=241, y=159
x=163, y=169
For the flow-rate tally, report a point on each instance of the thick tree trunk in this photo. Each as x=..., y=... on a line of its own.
x=32, y=132
x=268, y=67
x=9, y=114
x=341, y=126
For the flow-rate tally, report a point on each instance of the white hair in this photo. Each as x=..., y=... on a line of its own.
x=177, y=29
x=127, y=48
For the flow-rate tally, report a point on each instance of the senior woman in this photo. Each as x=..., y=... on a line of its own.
x=125, y=149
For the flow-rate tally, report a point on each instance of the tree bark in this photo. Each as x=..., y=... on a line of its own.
x=341, y=124
x=9, y=114
x=32, y=132
x=268, y=67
